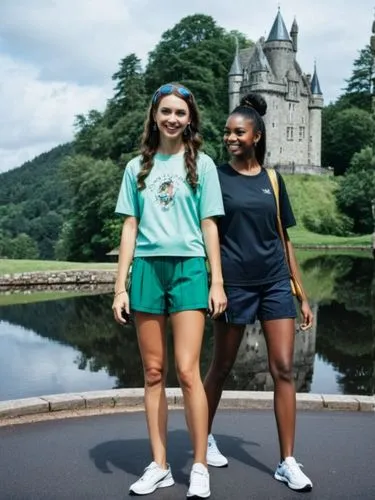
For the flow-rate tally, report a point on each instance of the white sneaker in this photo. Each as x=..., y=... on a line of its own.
x=214, y=457
x=289, y=472
x=153, y=477
x=199, y=482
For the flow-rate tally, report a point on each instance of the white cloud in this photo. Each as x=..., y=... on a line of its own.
x=37, y=115
x=57, y=58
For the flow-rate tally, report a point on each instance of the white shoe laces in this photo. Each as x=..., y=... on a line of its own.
x=294, y=468
x=212, y=446
x=149, y=472
x=198, y=478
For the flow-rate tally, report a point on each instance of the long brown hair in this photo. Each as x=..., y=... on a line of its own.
x=151, y=136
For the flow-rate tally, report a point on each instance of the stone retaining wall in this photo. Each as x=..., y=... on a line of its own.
x=58, y=280
x=132, y=399
x=303, y=169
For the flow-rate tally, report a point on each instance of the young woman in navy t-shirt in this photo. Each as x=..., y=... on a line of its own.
x=256, y=279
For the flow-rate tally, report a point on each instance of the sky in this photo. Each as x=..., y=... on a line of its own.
x=57, y=57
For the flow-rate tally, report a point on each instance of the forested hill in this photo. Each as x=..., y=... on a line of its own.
x=33, y=201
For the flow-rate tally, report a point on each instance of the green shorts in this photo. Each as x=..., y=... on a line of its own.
x=162, y=285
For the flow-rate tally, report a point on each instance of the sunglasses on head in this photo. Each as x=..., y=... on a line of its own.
x=168, y=88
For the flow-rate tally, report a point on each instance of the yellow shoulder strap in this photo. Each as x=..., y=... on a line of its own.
x=275, y=186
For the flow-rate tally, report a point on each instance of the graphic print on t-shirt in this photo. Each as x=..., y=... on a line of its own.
x=165, y=188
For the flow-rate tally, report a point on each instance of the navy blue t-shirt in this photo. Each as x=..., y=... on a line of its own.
x=251, y=249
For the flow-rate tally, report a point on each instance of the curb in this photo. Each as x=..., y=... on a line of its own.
x=132, y=399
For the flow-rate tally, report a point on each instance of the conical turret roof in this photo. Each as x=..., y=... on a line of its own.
x=278, y=31
x=236, y=69
x=294, y=28
x=315, y=85
x=259, y=61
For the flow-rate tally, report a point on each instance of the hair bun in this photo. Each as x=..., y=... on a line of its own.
x=255, y=101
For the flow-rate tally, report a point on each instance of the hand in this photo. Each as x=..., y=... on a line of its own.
x=120, y=304
x=217, y=300
x=307, y=316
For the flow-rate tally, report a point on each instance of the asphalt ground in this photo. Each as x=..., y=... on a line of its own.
x=99, y=457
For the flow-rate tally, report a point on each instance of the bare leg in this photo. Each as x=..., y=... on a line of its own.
x=279, y=336
x=227, y=340
x=152, y=345
x=188, y=329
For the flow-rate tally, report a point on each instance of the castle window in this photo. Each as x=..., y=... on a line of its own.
x=273, y=124
x=289, y=133
x=290, y=116
x=301, y=134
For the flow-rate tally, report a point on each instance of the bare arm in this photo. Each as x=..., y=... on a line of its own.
x=217, y=299
x=126, y=252
x=294, y=264
x=307, y=315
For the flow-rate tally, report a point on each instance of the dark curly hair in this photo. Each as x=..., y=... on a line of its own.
x=191, y=137
x=253, y=107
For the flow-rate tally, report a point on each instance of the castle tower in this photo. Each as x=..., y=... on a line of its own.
x=235, y=80
x=294, y=99
x=315, y=114
x=279, y=48
x=294, y=35
x=259, y=70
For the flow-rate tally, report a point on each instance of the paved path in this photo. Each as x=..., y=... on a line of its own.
x=99, y=457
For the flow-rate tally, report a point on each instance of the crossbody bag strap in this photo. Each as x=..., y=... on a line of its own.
x=275, y=186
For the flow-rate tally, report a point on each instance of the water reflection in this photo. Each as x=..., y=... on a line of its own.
x=73, y=344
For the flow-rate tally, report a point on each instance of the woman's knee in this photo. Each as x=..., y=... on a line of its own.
x=188, y=376
x=282, y=371
x=154, y=376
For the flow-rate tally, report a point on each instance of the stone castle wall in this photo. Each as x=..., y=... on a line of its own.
x=58, y=280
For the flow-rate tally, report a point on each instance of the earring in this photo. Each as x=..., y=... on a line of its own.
x=154, y=127
x=255, y=144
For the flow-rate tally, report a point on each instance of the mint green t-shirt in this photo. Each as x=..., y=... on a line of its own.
x=168, y=210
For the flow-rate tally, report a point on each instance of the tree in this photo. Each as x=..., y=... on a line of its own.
x=329, y=113
x=347, y=132
x=188, y=33
x=21, y=247
x=95, y=186
x=358, y=89
x=86, y=126
x=357, y=189
x=129, y=89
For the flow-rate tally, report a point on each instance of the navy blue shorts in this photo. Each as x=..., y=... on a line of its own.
x=262, y=302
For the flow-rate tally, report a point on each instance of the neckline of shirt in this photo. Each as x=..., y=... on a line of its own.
x=244, y=175
x=166, y=157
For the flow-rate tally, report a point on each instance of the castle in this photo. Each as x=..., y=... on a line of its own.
x=294, y=99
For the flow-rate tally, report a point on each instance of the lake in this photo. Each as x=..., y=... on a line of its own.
x=73, y=344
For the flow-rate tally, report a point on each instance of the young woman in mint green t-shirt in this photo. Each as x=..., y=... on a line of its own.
x=170, y=196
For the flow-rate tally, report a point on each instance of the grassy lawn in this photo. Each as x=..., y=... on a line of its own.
x=9, y=266
x=28, y=298
x=301, y=236
x=313, y=198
